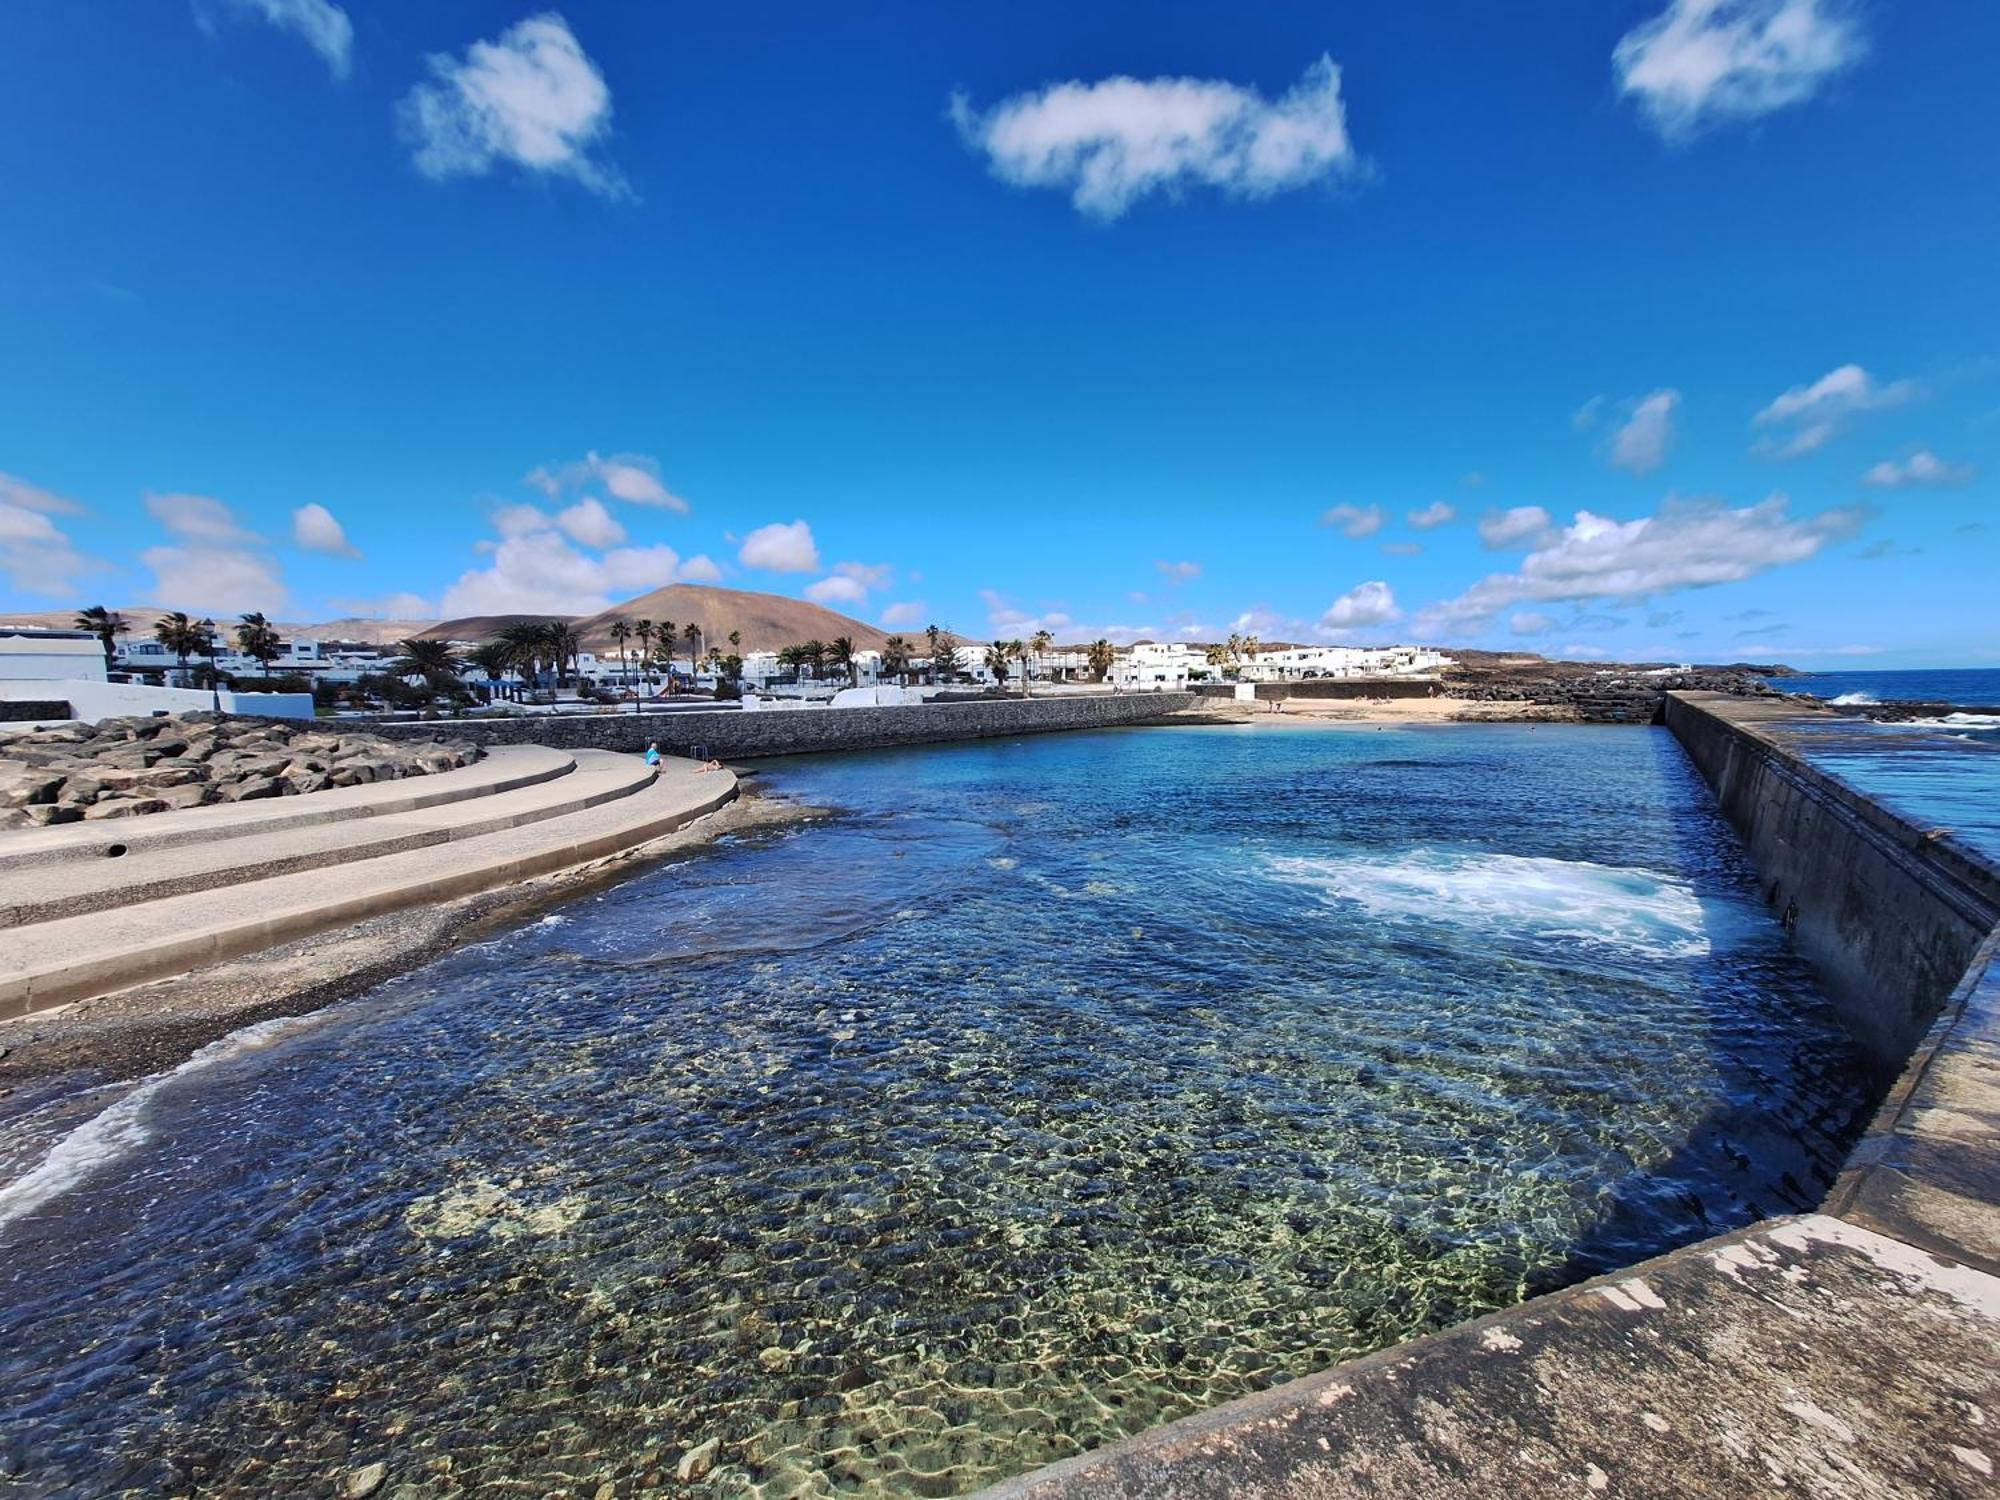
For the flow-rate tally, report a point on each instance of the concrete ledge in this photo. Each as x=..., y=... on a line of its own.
x=1804, y=1357
x=55, y=963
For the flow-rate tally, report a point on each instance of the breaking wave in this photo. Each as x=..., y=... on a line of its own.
x=1856, y=700
x=1639, y=912
x=120, y=1126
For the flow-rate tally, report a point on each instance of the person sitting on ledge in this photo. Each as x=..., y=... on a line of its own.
x=653, y=753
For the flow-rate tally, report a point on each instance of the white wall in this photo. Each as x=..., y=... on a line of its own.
x=91, y=701
x=30, y=658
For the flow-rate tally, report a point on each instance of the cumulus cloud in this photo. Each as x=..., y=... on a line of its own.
x=403, y=606
x=198, y=518
x=1436, y=514
x=1700, y=62
x=540, y=572
x=1177, y=573
x=868, y=575
x=531, y=98
x=781, y=548
x=36, y=555
x=1507, y=528
x=1108, y=144
x=836, y=590
x=1363, y=607
x=215, y=580
x=590, y=523
x=315, y=529
x=1921, y=468
x=321, y=25
x=1007, y=621
x=1356, y=521
x=1641, y=444
x=1688, y=544
x=1807, y=417
x=904, y=614
x=632, y=477
x=701, y=568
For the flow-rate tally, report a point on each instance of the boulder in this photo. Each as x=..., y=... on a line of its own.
x=123, y=807
x=28, y=786
x=254, y=790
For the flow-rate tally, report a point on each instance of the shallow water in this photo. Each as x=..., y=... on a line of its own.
x=1051, y=1090
x=1941, y=773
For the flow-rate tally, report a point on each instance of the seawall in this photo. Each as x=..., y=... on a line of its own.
x=1889, y=914
x=732, y=734
x=1849, y=1351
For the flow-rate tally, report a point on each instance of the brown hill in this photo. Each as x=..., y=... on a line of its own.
x=765, y=621
x=142, y=617
x=485, y=627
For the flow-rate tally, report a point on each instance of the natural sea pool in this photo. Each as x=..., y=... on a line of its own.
x=1044, y=1091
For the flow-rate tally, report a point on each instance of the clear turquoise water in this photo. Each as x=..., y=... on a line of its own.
x=1046, y=1091
x=1939, y=773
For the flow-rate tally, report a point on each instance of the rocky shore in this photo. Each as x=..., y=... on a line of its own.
x=124, y=768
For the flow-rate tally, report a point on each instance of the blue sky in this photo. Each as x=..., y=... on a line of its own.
x=1672, y=324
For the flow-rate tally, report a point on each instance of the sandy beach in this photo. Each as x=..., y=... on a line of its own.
x=1385, y=711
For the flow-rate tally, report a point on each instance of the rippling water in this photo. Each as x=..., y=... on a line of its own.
x=1049, y=1090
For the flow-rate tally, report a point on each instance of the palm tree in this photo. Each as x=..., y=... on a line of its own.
x=526, y=644
x=996, y=662
x=621, y=632
x=813, y=654
x=495, y=658
x=1235, y=646
x=840, y=655
x=209, y=646
x=563, y=648
x=1018, y=650
x=1251, y=646
x=736, y=642
x=691, y=633
x=1101, y=656
x=944, y=653
x=179, y=635
x=1042, y=642
x=790, y=659
x=107, y=626
x=895, y=657
x=256, y=639
x=434, y=661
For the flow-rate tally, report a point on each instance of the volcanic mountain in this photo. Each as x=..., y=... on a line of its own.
x=765, y=622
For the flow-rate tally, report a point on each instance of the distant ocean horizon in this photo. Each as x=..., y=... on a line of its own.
x=1969, y=686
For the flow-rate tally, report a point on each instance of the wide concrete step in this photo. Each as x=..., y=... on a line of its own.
x=153, y=870
x=76, y=958
x=502, y=769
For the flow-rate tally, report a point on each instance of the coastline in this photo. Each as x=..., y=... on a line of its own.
x=1331, y=711
x=150, y=1027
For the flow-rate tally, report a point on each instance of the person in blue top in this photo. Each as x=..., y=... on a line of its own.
x=653, y=753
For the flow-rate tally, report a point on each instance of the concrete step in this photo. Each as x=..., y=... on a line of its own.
x=76, y=958
x=153, y=870
x=503, y=769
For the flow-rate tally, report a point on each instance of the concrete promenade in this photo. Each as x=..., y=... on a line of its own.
x=1850, y=1352
x=190, y=888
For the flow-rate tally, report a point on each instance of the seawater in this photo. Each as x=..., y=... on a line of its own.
x=1967, y=686
x=1039, y=1093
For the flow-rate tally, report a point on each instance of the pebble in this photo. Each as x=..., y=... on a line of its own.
x=697, y=1461
x=365, y=1481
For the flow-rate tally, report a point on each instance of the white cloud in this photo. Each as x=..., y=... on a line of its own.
x=781, y=548
x=323, y=26
x=1641, y=444
x=700, y=568
x=1922, y=467
x=214, y=580
x=590, y=523
x=519, y=520
x=198, y=518
x=1437, y=513
x=1702, y=61
x=22, y=495
x=532, y=98
x=36, y=555
x=868, y=575
x=539, y=572
x=1363, y=607
x=1585, y=416
x=632, y=477
x=1177, y=573
x=1006, y=621
x=1531, y=622
x=836, y=590
x=1688, y=544
x=315, y=529
x=1356, y=521
x=907, y=613
x=1807, y=417
x=1584, y=653
x=1110, y=143
x=1506, y=528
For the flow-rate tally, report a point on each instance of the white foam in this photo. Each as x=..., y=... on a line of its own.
x=1855, y=700
x=120, y=1127
x=1960, y=721
x=1638, y=911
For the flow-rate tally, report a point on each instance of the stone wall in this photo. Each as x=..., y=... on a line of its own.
x=732, y=734
x=1888, y=915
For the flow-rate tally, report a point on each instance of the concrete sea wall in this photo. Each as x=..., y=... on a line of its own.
x=1889, y=915
x=732, y=734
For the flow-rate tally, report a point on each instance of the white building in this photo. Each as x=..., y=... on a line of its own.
x=30, y=655
x=1295, y=663
x=1159, y=667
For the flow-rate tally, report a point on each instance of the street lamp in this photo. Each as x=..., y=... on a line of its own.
x=207, y=628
